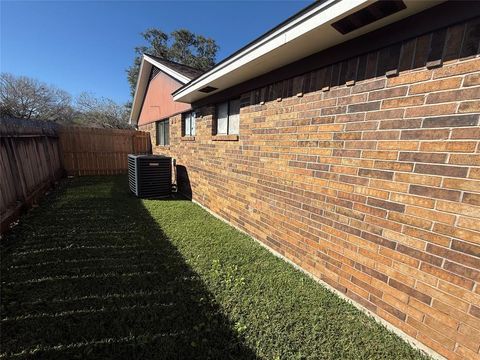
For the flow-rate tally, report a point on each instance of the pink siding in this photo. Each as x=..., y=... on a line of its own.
x=158, y=102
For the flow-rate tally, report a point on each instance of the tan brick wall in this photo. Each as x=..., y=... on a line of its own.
x=371, y=183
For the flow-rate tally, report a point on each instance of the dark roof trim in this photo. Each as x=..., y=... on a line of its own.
x=185, y=70
x=443, y=15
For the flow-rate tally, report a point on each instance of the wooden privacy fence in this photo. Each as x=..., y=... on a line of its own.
x=91, y=151
x=35, y=154
x=30, y=163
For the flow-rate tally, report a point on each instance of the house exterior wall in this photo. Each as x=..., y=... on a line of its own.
x=369, y=182
x=158, y=103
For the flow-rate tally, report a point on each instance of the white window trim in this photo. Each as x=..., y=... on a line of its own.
x=157, y=140
x=192, y=118
x=228, y=117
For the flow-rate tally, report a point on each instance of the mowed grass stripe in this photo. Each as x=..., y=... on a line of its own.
x=230, y=298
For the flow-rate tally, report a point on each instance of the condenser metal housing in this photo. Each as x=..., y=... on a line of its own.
x=150, y=176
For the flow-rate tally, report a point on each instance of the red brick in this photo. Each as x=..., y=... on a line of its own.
x=423, y=157
x=458, y=69
x=450, y=146
x=386, y=114
x=445, y=275
x=475, y=311
x=469, y=133
x=410, y=78
x=435, y=192
x=469, y=107
x=462, y=270
x=386, y=205
x=473, y=199
x=428, y=236
x=390, y=309
x=403, y=102
x=466, y=248
x=431, y=110
x=376, y=174
x=388, y=93
x=368, y=106
x=436, y=85
x=450, y=121
x=453, y=171
x=369, y=86
x=410, y=291
x=424, y=134
x=401, y=124
x=410, y=220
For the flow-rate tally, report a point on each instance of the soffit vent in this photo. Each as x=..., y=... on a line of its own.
x=208, y=89
x=368, y=15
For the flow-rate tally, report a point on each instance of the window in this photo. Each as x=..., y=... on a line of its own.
x=163, y=132
x=189, y=120
x=228, y=117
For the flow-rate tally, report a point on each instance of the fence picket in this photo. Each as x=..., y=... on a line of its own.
x=34, y=154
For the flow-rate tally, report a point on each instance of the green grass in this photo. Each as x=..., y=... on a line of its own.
x=96, y=273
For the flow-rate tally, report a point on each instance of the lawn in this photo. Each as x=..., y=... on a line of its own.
x=96, y=273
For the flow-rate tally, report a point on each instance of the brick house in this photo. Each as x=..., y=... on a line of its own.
x=347, y=141
x=153, y=102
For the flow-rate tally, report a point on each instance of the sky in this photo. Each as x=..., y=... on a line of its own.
x=87, y=45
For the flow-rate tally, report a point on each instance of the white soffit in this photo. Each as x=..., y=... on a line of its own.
x=305, y=35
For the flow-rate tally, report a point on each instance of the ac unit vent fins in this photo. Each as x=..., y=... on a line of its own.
x=150, y=176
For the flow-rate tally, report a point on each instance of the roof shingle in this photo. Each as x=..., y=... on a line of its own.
x=184, y=70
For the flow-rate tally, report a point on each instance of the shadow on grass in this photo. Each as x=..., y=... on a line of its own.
x=90, y=274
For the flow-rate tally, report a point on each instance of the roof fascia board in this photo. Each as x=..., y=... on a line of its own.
x=309, y=20
x=135, y=113
x=183, y=79
x=443, y=15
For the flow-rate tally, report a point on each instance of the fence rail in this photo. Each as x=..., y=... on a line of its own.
x=30, y=163
x=34, y=155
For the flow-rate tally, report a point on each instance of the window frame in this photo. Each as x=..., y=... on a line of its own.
x=229, y=115
x=191, y=117
x=163, y=127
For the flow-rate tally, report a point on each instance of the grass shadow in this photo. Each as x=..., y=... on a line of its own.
x=90, y=274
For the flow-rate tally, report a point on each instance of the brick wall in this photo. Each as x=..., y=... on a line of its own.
x=365, y=173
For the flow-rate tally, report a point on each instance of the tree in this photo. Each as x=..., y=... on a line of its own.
x=28, y=98
x=100, y=112
x=181, y=46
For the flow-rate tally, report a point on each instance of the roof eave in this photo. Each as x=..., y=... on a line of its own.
x=142, y=84
x=303, y=35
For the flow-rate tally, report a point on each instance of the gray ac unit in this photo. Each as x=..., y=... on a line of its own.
x=150, y=176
